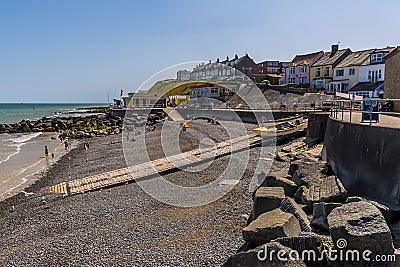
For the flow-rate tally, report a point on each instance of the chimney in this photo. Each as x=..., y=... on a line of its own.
x=334, y=49
x=227, y=58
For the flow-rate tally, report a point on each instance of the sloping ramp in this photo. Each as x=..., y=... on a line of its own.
x=150, y=168
x=173, y=114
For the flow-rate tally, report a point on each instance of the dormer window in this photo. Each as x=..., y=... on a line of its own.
x=375, y=58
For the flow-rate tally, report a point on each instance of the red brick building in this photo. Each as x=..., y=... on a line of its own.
x=270, y=70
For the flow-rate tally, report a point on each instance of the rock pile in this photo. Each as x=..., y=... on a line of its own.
x=85, y=126
x=309, y=210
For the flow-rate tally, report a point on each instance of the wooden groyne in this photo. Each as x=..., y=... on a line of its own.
x=147, y=169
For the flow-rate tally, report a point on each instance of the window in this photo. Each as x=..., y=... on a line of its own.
x=291, y=80
x=303, y=69
x=339, y=72
x=318, y=84
x=352, y=71
x=374, y=75
x=326, y=73
x=375, y=58
x=318, y=72
x=272, y=70
x=302, y=80
x=291, y=70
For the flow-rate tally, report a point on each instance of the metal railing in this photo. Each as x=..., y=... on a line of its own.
x=340, y=107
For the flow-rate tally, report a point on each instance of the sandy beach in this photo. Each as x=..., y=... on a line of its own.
x=122, y=225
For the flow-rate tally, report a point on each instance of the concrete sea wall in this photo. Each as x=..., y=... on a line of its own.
x=365, y=158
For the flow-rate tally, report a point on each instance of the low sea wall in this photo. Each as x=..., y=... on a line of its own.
x=365, y=158
x=317, y=125
x=246, y=116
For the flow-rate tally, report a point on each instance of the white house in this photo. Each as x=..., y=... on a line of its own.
x=183, y=75
x=361, y=73
x=372, y=74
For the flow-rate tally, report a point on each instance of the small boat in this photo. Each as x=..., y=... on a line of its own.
x=281, y=129
x=275, y=122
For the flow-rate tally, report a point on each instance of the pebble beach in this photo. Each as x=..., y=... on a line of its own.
x=122, y=225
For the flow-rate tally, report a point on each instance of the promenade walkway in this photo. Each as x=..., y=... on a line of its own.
x=384, y=120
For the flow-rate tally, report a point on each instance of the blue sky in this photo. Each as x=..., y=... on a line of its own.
x=78, y=51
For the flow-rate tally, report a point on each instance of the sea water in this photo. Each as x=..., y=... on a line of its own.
x=12, y=113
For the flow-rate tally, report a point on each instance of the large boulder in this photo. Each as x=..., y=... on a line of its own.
x=329, y=189
x=23, y=127
x=360, y=226
x=275, y=180
x=282, y=156
x=267, y=199
x=269, y=226
x=305, y=172
x=299, y=194
x=320, y=214
x=294, y=147
x=290, y=206
x=390, y=211
x=262, y=256
x=310, y=248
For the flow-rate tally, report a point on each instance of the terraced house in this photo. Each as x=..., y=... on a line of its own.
x=392, y=77
x=321, y=72
x=298, y=70
x=360, y=73
x=346, y=73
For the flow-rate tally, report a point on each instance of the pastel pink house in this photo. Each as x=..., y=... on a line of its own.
x=298, y=70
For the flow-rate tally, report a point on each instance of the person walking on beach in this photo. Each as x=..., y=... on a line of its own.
x=66, y=145
x=46, y=151
x=86, y=146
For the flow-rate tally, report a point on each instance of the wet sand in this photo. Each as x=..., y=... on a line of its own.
x=27, y=166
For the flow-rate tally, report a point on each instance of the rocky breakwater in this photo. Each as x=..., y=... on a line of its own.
x=84, y=126
x=303, y=216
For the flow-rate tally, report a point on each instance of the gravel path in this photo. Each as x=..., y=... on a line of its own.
x=123, y=226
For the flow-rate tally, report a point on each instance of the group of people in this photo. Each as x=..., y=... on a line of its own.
x=67, y=145
x=46, y=152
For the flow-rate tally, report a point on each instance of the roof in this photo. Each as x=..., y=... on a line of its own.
x=364, y=86
x=330, y=59
x=232, y=61
x=266, y=61
x=355, y=58
x=305, y=59
x=273, y=75
x=385, y=50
